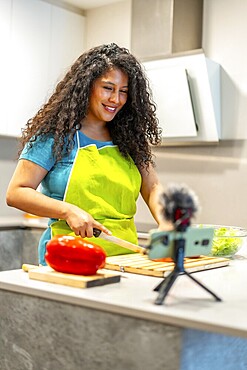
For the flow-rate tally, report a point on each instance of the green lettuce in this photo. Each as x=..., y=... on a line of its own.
x=225, y=242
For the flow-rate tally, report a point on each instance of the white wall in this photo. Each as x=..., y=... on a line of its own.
x=110, y=23
x=224, y=40
x=217, y=174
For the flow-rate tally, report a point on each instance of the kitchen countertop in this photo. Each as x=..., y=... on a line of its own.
x=21, y=222
x=186, y=306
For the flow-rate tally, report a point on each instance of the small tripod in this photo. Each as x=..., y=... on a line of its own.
x=164, y=287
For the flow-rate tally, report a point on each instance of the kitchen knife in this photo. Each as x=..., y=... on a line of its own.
x=123, y=243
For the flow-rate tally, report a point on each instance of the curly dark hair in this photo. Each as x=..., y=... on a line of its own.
x=134, y=129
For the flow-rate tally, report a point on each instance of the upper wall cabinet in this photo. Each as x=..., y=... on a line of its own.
x=66, y=42
x=29, y=42
x=5, y=29
x=40, y=41
x=186, y=91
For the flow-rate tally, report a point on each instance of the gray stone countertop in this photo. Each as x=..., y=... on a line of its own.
x=186, y=306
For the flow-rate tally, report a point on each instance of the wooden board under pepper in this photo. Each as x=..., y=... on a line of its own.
x=47, y=274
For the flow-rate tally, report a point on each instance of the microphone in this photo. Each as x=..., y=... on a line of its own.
x=179, y=205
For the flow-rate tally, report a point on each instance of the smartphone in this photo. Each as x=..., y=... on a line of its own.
x=197, y=242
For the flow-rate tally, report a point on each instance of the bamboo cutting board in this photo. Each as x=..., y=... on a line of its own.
x=47, y=274
x=140, y=264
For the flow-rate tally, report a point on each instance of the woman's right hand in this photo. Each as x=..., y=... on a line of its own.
x=82, y=223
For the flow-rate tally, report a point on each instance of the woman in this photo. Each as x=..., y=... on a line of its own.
x=89, y=147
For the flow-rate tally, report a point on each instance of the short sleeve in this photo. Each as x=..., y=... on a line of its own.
x=40, y=153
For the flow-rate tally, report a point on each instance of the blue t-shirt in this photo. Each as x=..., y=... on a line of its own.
x=54, y=183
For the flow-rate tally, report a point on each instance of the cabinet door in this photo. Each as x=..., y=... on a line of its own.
x=186, y=90
x=29, y=56
x=67, y=43
x=5, y=22
x=40, y=41
x=171, y=93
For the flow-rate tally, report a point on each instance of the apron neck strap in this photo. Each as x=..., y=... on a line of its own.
x=77, y=139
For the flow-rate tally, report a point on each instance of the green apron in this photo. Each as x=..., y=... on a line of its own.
x=105, y=184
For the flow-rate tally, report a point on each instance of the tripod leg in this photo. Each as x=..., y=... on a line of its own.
x=204, y=287
x=165, y=286
x=157, y=288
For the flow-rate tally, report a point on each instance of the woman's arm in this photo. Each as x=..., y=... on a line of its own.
x=22, y=194
x=151, y=191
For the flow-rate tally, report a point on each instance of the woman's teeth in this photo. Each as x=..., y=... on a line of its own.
x=110, y=109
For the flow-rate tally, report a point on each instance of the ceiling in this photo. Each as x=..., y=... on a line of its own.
x=89, y=4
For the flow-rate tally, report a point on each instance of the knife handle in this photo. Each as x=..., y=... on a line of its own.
x=96, y=232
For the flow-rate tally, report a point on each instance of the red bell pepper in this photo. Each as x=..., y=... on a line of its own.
x=74, y=255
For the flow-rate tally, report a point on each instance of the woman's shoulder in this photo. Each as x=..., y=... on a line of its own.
x=37, y=144
x=40, y=151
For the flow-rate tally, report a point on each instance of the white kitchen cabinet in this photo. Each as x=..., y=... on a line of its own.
x=171, y=94
x=66, y=42
x=30, y=34
x=186, y=90
x=40, y=42
x=5, y=22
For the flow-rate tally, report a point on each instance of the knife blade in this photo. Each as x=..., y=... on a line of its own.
x=123, y=243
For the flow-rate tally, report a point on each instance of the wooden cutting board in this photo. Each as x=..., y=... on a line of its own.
x=47, y=274
x=140, y=264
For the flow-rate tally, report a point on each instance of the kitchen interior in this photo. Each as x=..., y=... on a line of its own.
x=41, y=38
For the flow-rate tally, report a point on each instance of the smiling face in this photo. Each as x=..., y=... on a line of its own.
x=109, y=94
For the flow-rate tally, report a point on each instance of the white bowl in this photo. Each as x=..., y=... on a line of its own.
x=227, y=241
